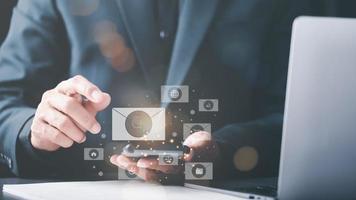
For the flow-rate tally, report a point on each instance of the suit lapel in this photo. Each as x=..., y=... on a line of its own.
x=141, y=25
x=194, y=21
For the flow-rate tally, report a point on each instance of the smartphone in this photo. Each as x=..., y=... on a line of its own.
x=170, y=156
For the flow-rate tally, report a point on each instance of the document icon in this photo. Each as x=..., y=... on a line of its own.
x=198, y=171
x=130, y=124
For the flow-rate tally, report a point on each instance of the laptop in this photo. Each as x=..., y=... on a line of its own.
x=318, y=155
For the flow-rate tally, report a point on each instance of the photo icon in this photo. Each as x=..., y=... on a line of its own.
x=208, y=105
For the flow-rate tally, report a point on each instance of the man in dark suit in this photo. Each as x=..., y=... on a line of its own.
x=58, y=52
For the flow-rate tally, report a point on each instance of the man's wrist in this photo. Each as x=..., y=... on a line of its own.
x=24, y=141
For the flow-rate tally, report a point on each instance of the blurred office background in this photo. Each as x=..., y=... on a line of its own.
x=5, y=15
x=6, y=7
x=339, y=8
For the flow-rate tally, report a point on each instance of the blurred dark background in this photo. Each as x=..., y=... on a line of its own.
x=5, y=15
x=339, y=8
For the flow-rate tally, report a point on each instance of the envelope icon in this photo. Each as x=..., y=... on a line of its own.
x=130, y=124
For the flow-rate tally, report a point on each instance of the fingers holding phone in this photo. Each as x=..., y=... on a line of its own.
x=198, y=146
x=131, y=165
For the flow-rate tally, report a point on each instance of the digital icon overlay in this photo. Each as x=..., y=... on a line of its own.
x=93, y=154
x=130, y=124
x=190, y=128
x=143, y=125
x=124, y=174
x=174, y=94
x=168, y=159
x=208, y=105
x=198, y=171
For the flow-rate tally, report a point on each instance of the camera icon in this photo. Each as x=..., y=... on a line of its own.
x=198, y=171
x=93, y=154
x=174, y=94
x=132, y=124
x=208, y=105
x=124, y=174
x=168, y=159
x=190, y=128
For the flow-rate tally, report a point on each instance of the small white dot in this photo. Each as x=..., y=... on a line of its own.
x=162, y=34
x=103, y=136
x=174, y=134
x=192, y=112
x=100, y=173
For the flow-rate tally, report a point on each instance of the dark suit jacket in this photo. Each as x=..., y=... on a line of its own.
x=235, y=50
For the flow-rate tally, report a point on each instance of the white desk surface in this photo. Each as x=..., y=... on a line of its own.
x=109, y=190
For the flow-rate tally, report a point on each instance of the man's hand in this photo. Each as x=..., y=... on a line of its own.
x=202, y=148
x=63, y=117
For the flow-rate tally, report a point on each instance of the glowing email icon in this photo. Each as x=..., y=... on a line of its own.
x=138, y=124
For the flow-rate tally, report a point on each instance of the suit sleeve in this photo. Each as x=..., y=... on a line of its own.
x=31, y=61
x=263, y=134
